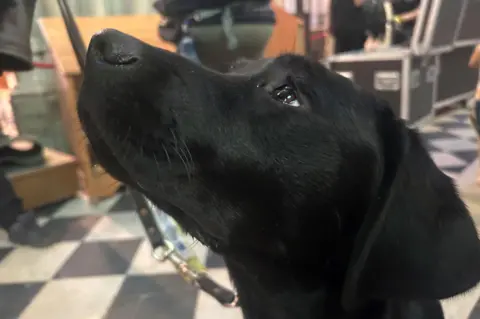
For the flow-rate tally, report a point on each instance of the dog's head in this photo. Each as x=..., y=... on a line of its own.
x=281, y=161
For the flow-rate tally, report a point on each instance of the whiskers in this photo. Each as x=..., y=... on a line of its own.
x=139, y=143
x=183, y=152
x=169, y=161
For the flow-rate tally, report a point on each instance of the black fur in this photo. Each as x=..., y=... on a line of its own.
x=333, y=209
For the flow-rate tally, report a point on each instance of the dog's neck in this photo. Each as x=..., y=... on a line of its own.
x=275, y=293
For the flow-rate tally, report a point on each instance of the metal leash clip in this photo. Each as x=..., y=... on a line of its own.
x=224, y=296
x=162, y=253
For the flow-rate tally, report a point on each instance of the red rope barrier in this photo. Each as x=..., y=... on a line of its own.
x=43, y=65
x=318, y=35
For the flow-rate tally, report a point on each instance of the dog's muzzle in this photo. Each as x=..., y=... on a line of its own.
x=115, y=48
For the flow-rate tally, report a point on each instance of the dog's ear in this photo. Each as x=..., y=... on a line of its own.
x=418, y=240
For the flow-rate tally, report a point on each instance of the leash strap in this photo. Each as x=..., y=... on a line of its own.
x=155, y=237
x=164, y=250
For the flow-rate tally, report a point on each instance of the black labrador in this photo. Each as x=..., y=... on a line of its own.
x=321, y=201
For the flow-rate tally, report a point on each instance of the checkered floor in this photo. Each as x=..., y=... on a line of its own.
x=452, y=142
x=102, y=267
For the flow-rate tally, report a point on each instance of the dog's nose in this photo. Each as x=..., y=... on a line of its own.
x=115, y=48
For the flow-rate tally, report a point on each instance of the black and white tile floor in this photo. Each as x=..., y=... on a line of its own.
x=452, y=142
x=102, y=266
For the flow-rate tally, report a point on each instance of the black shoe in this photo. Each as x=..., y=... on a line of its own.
x=25, y=231
x=10, y=154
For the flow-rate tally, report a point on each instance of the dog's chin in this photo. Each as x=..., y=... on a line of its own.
x=147, y=175
x=166, y=183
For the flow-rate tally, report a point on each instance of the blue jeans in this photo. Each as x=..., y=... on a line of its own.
x=186, y=48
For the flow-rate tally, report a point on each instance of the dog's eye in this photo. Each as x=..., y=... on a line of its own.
x=287, y=95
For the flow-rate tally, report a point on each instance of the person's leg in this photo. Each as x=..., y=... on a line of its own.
x=10, y=204
x=211, y=44
x=8, y=125
x=21, y=226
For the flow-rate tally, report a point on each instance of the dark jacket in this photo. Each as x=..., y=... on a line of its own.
x=346, y=18
x=5, y=5
x=242, y=12
x=375, y=14
x=16, y=21
x=403, y=6
x=180, y=8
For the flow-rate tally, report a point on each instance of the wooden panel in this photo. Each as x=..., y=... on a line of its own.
x=285, y=34
x=51, y=182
